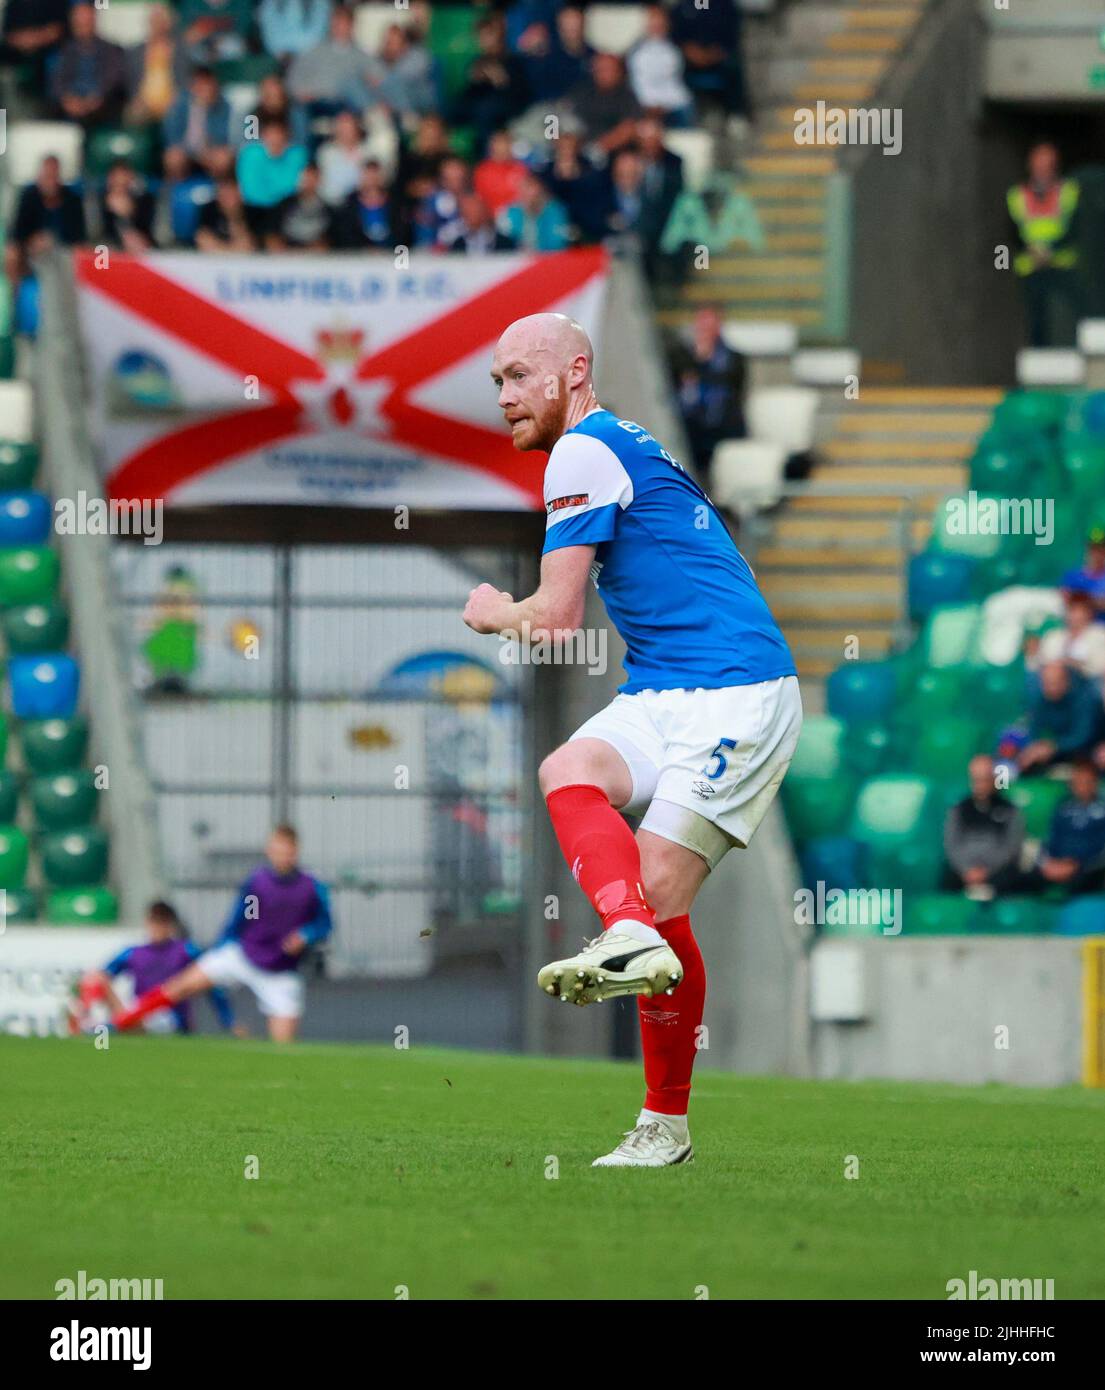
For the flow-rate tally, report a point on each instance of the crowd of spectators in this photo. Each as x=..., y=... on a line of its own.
x=541, y=143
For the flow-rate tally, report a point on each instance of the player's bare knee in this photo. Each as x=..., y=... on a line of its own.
x=564, y=767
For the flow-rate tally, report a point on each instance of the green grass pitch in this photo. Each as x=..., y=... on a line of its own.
x=427, y=1169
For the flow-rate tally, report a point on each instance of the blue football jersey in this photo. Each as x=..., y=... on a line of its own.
x=676, y=587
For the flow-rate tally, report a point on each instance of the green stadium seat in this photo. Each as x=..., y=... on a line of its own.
x=138, y=145
x=9, y=798
x=938, y=914
x=96, y=906
x=53, y=745
x=64, y=800
x=453, y=42
x=855, y=925
x=7, y=357
x=40, y=627
x=819, y=747
x=28, y=574
x=945, y=744
x=245, y=71
x=817, y=806
x=998, y=692
x=18, y=465
x=20, y=906
x=952, y=635
x=1016, y=916
x=894, y=809
x=1031, y=410
x=14, y=851
x=1084, y=466
x=938, y=692
x=1037, y=798
x=1001, y=469
x=950, y=532
x=867, y=750
x=74, y=858
x=914, y=866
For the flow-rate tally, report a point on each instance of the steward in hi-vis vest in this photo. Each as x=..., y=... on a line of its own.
x=1044, y=211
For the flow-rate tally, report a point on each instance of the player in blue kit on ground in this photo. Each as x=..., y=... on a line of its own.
x=697, y=740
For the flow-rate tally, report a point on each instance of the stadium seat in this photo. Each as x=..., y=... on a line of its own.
x=28, y=574
x=936, y=578
x=999, y=693
x=1020, y=916
x=1034, y=410
x=835, y=860
x=1000, y=469
x=867, y=750
x=54, y=745
x=252, y=68
x=614, y=28
x=1037, y=798
x=96, y=906
x=14, y=852
x=938, y=914
x=696, y=149
x=861, y=691
x=40, y=627
x=914, y=866
x=29, y=142
x=1092, y=414
x=1083, y=464
x=817, y=806
x=136, y=144
x=25, y=518
x=64, y=800
x=936, y=692
x=7, y=357
x=20, y=906
x=783, y=415
x=371, y=22
x=1082, y=916
x=819, y=747
x=893, y=809
x=18, y=464
x=186, y=200
x=454, y=43
x=747, y=475
x=3, y=738
x=947, y=743
x=74, y=858
x=952, y=534
x=16, y=412
x=125, y=24
x=9, y=798
x=952, y=635
x=44, y=686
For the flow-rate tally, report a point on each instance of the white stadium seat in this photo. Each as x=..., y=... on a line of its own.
x=826, y=366
x=372, y=21
x=696, y=149
x=783, y=415
x=760, y=337
x=1050, y=367
x=614, y=28
x=747, y=475
x=29, y=142
x=16, y=412
x=126, y=24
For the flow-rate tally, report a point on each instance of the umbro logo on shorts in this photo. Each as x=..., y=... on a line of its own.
x=703, y=790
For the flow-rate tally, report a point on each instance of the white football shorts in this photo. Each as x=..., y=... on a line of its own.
x=718, y=754
x=279, y=993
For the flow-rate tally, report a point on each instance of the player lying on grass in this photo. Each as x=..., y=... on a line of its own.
x=279, y=913
x=697, y=739
x=165, y=953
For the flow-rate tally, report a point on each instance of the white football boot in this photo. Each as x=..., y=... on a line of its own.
x=651, y=1145
x=614, y=963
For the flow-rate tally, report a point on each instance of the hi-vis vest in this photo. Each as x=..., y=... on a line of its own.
x=1043, y=221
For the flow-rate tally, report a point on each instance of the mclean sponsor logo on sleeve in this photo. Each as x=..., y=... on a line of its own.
x=573, y=499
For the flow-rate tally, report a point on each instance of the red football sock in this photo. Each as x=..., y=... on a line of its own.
x=601, y=853
x=91, y=990
x=669, y=1024
x=147, y=1003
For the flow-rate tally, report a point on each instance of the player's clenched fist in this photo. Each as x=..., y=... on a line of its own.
x=484, y=604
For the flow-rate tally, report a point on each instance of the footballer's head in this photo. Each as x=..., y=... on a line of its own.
x=542, y=366
x=282, y=850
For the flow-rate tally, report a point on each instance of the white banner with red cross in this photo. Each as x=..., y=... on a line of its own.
x=316, y=380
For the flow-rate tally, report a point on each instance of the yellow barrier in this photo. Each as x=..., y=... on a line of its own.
x=1093, y=1011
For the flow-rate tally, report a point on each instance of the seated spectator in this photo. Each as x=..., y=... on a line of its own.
x=983, y=837
x=655, y=67
x=421, y=160
x=48, y=214
x=197, y=130
x=403, y=79
x=1079, y=642
x=585, y=190
x=1062, y=720
x=1089, y=577
x=661, y=182
x=273, y=100
x=1073, y=857
x=157, y=70
x=335, y=72
x=497, y=176
x=537, y=221
x=223, y=225
x=368, y=218
x=496, y=89
x=441, y=205
x=214, y=30
x=556, y=59
x=606, y=106
x=31, y=32
x=709, y=379
x=126, y=210
x=473, y=231
x=709, y=39
x=89, y=83
x=290, y=27
x=627, y=196
x=302, y=221
x=268, y=171
x=341, y=158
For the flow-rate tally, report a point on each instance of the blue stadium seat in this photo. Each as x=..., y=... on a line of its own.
x=1082, y=917
x=861, y=691
x=44, y=687
x=25, y=518
x=936, y=577
x=835, y=860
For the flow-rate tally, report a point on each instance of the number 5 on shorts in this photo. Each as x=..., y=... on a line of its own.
x=719, y=757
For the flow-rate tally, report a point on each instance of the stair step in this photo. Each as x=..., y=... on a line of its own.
x=879, y=17
x=833, y=588
x=878, y=421
x=790, y=215
x=802, y=318
x=849, y=93
x=799, y=162
x=877, y=450
x=879, y=504
x=776, y=557
x=801, y=189
x=948, y=477
x=787, y=611
x=981, y=396
x=765, y=266
x=848, y=67
x=855, y=531
x=849, y=41
x=754, y=291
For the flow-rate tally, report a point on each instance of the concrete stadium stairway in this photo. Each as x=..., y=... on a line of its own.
x=837, y=51
x=832, y=561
